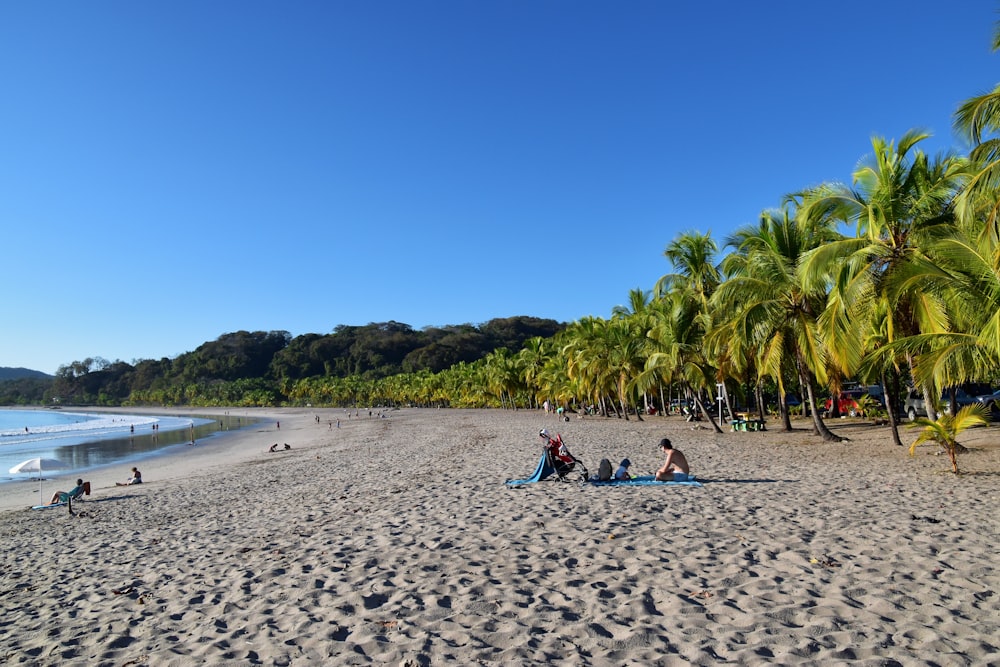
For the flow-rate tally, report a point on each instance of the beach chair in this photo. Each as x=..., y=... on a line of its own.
x=81, y=492
x=67, y=498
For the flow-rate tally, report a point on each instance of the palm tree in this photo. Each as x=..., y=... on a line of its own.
x=531, y=359
x=627, y=358
x=676, y=349
x=770, y=310
x=587, y=349
x=965, y=271
x=978, y=121
x=694, y=280
x=692, y=255
x=901, y=201
x=639, y=301
x=638, y=315
x=945, y=431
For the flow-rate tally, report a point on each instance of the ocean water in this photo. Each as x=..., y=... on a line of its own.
x=84, y=440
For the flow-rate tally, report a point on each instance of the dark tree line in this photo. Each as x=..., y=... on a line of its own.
x=265, y=361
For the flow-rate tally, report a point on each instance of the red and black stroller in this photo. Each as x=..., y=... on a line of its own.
x=556, y=460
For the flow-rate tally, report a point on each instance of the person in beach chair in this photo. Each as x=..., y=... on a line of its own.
x=558, y=457
x=75, y=493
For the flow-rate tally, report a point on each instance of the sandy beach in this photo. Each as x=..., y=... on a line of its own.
x=396, y=542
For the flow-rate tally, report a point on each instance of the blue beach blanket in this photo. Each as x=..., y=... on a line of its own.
x=542, y=471
x=45, y=507
x=644, y=480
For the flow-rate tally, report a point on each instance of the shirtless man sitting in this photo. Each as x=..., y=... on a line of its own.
x=676, y=467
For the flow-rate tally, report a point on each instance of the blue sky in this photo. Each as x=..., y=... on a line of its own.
x=173, y=171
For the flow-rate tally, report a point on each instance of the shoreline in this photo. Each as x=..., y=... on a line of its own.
x=395, y=541
x=172, y=462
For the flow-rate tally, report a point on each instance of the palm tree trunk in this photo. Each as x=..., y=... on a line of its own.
x=615, y=406
x=819, y=427
x=786, y=421
x=725, y=402
x=703, y=411
x=887, y=398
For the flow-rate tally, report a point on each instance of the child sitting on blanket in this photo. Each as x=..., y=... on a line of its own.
x=622, y=472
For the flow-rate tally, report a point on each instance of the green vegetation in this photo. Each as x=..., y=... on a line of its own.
x=945, y=431
x=380, y=362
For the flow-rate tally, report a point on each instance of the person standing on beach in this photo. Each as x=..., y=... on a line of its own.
x=675, y=467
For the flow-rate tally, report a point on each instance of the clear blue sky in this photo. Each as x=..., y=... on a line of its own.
x=173, y=171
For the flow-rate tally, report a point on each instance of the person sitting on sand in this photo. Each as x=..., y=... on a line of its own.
x=676, y=467
x=136, y=478
x=622, y=472
x=66, y=496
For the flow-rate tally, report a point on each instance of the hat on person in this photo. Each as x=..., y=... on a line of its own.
x=543, y=433
x=626, y=463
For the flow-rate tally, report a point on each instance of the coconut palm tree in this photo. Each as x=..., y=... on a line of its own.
x=531, y=359
x=683, y=323
x=964, y=269
x=638, y=314
x=676, y=349
x=978, y=121
x=901, y=200
x=769, y=310
x=692, y=256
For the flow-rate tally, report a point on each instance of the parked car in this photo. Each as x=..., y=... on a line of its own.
x=991, y=402
x=847, y=403
x=914, y=407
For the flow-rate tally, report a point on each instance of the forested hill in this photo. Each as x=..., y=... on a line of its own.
x=8, y=373
x=267, y=361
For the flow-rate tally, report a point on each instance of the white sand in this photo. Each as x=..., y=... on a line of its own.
x=395, y=542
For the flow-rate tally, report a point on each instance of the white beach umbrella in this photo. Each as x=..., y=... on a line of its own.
x=38, y=465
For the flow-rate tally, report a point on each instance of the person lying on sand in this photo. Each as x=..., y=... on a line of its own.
x=675, y=467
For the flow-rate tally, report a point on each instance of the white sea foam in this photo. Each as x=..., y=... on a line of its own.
x=84, y=424
x=83, y=440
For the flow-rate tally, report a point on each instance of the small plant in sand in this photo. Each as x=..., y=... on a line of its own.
x=946, y=429
x=871, y=407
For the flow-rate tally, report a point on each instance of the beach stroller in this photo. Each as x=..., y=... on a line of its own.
x=559, y=459
x=555, y=460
